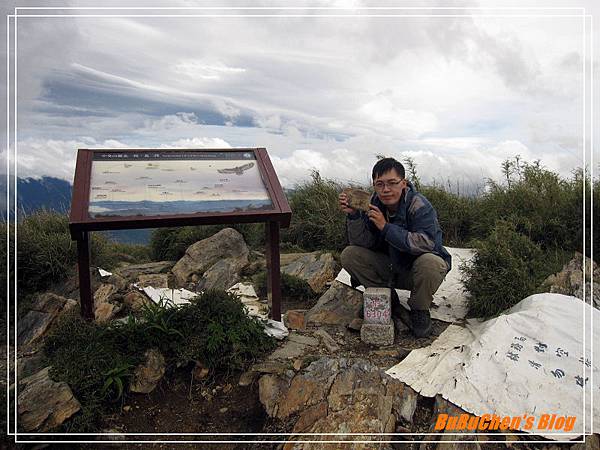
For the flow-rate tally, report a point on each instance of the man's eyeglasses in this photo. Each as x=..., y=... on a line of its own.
x=392, y=184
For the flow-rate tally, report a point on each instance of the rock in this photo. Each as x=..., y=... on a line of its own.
x=201, y=256
x=126, y=408
x=294, y=346
x=135, y=300
x=339, y=396
x=377, y=334
x=355, y=324
x=117, y=281
x=357, y=198
x=270, y=367
x=104, y=312
x=443, y=406
x=309, y=416
x=44, y=404
x=156, y=280
x=294, y=319
x=338, y=306
x=132, y=272
x=45, y=310
x=200, y=371
x=404, y=399
x=328, y=341
x=316, y=268
x=307, y=388
x=592, y=442
x=147, y=375
x=104, y=293
x=29, y=364
x=248, y=378
x=222, y=275
x=269, y=392
x=398, y=353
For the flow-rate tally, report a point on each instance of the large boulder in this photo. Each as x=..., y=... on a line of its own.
x=222, y=275
x=45, y=310
x=338, y=396
x=44, y=404
x=217, y=259
x=147, y=375
x=316, y=268
x=338, y=306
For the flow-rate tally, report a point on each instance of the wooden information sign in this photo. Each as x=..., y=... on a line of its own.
x=127, y=189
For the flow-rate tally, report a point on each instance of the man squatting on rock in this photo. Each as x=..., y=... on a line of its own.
x=397, y=243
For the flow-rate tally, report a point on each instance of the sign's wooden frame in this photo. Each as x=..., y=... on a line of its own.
x=81, y=224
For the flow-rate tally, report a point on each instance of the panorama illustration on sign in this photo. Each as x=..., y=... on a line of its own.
x=154, y=183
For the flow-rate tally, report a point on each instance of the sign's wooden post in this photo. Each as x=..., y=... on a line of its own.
x=85, y=285
x=273, y=270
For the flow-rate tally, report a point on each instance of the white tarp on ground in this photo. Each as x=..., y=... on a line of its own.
x=530, y=360
x=450, y=300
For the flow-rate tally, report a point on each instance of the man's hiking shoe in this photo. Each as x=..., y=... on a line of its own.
x=401, y=313
x=420, y=323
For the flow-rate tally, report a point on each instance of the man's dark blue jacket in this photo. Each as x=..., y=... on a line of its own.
x=412, y=231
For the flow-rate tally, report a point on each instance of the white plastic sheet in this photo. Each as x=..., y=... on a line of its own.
x=168, y=295
x=254, y=307
x=530, y=360
x=104, y=273
x=450, y=300
x=276, y=329
x=245, y=291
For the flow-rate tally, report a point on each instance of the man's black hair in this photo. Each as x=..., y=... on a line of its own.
x=385, y=165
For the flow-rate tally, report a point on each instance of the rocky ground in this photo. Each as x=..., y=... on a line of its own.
x=321, y=379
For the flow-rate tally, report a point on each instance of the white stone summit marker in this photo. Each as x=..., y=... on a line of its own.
x=377, y=328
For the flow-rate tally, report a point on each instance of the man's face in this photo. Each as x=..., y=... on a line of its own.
x=389, y=187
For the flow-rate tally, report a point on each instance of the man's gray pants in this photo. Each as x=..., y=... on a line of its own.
x=373, y=269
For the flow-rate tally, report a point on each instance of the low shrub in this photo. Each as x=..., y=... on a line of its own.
x=507, y=267
x=291, y=286
x=543, y=206
x=217, y=331
x=46, y=254
x=456, y=214
x=83, y=354
x=317, y=223
x=98, y=360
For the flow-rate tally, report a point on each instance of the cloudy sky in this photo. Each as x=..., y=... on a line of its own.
x=457, y=94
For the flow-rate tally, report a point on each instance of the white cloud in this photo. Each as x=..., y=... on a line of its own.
x=199, y=142
x=457, y=94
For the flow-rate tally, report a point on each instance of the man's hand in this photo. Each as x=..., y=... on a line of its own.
x=377, y=217
x=343, y=200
